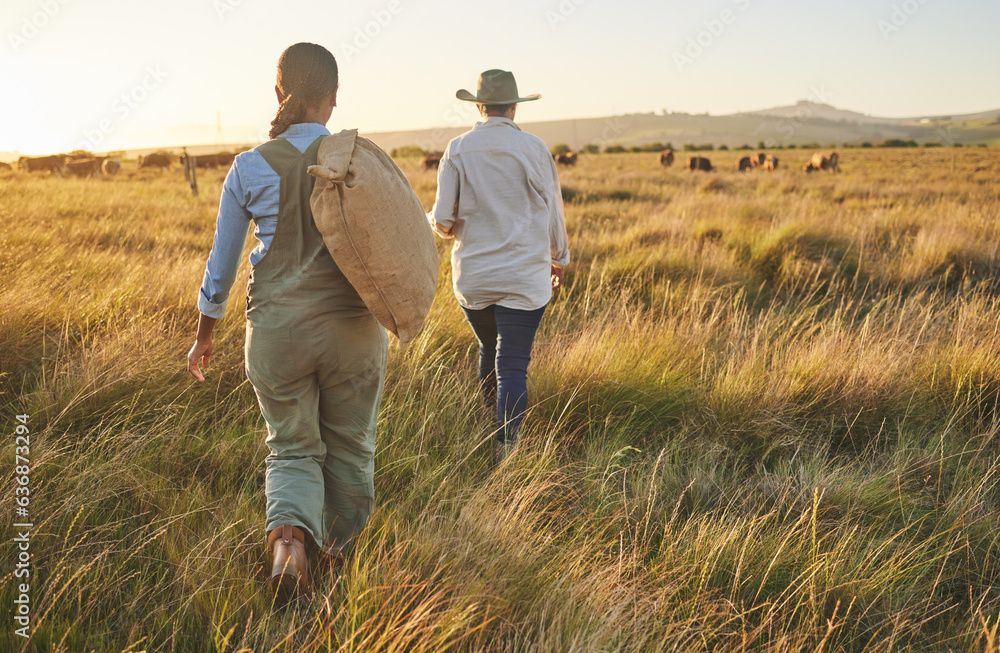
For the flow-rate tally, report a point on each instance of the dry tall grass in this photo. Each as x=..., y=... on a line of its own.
x=764, y=418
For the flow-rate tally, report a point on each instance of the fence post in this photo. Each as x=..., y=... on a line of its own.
x=191, y=169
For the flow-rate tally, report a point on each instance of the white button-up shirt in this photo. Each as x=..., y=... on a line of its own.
x=498, y=196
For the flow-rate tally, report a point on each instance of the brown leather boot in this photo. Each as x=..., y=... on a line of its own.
x=290, y=573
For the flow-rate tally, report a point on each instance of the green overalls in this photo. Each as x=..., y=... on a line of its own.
x=316, y=358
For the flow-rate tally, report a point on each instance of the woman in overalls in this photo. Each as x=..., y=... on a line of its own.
x=315, y=355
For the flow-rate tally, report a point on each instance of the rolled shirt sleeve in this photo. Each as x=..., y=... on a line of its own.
x=230, y=236
x=442, y=216
x=558, y=240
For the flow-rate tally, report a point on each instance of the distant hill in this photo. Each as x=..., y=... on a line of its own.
x=983, y=115
x=825, y=111
x=820, y=111
x=799, y=124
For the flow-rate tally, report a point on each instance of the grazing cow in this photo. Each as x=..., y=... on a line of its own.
x=431, y=160
x=223, y=159
x=758, y=160
x=5, y=166
x=700, y=163
x=823, y=161
x=111, y=166
x=743, y=164
x=208, y=160
x=771, y=163
x=667, y=158
x=566, y=159
x=90, y=167
x=53, y=163
x=156, y=160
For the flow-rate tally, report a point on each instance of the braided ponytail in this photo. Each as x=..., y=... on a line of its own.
x=291, y=111
x=307, y=73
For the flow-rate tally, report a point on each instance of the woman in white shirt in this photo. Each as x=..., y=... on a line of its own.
x=498, y=196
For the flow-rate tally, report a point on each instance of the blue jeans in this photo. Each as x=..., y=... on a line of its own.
x=505, y=338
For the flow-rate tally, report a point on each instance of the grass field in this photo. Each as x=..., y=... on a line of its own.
x=764, y=418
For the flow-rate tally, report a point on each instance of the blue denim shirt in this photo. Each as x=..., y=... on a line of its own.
x=250, y=192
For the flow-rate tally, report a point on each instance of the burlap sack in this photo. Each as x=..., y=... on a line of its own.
x=376, y=231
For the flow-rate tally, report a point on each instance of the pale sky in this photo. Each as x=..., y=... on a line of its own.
x=115, y=73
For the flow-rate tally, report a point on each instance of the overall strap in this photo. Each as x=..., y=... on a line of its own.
x=296, y=239
x=282, y=155
x=297, y=278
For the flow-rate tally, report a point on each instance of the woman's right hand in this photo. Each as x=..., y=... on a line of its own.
x=201, y=350
x=557, y=277
x=199, y=354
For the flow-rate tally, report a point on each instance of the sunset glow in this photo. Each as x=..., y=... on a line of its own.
x=116, y=74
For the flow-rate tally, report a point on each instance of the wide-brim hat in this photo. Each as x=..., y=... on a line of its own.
x=495, y=87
